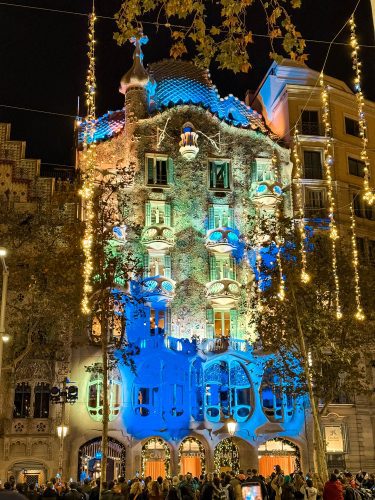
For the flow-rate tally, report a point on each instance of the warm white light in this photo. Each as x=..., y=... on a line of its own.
x=3, y=252
x=62, y=431
x=231, y=426
x=6, y=337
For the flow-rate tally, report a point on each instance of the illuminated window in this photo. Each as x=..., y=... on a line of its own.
x=277, y=404
x=115, y=325
x=157, y=265
x=310, y=122
x=265, y=172
x=351, y=127
x=159, y=321
x=220, y=216
x=158, y=213
x=222, y=267
x=228, y=391
x=219, y=171
x=95, y=395
x=159, y=170
x=41, y=401
x=222, y=324
x=22, y=401
x=312, y=165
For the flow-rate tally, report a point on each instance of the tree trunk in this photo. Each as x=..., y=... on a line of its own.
x=104, y=335
x=320, y=459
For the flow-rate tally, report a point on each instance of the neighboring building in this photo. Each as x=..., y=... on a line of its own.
x=291, y=92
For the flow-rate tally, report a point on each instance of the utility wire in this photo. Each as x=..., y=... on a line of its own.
x=19, y=108
x=169, y=25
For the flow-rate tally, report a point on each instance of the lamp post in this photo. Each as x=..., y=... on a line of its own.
x=62, y=395
x=3, y=336
x=231, y=426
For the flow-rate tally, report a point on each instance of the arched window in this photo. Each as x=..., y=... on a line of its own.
x=22, y=400
x=95, y=394
x=228, y=391
x=196, y=394
x=192, y=457
x=41, y=400
x=226, y=456
x=277, y=404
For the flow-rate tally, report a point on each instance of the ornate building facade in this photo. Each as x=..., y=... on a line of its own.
x=203, y=166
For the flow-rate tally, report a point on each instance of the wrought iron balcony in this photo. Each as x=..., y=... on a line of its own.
x=225, y=292
x=222, y=240
x=158, y=237
x=223, y=344
x=157, y=289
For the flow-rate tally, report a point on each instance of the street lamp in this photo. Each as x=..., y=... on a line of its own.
x=62, y=431
x=231, y=426
x=3, y=336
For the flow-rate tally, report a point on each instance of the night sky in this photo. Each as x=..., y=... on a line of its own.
x=43, y=63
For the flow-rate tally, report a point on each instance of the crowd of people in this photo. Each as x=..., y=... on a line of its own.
x=247, y=485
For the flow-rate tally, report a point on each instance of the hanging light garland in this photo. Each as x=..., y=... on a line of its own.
x=328, y=162
x=359, y=314
x=368, y=195
x=89, y=161
x=305, y=277
x=278, y=239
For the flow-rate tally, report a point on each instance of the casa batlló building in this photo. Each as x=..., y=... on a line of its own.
x=202, y=168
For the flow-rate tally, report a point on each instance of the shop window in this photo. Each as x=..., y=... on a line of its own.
x=356, y=167
x=312, y=164
x=220, y=216
x=351, y=126
x=22, y=401
x=277, y=404
x=219, y=172
x=41, y=400
x=310, y=122
x=95, y=395
x=228, y=391
x=159, y=170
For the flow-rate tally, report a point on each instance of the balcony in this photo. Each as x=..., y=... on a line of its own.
x=223, y=293
x=157, y=289
x=223, y=344
x=267, y=195
x=222, y=240
x=158, y=237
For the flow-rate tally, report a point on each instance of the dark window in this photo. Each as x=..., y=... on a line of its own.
x=351, y=127
x=357, y=206
x=356, y=167
x=361, y=248
x=368, y=211
x=219, y=175
x=157, y=171
x=22, y=398
x=310, y=122
x=41, y=402
x=371, y=251
x=312, y=162
x=315, y=203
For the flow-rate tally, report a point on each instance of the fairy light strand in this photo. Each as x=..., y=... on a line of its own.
x=278, y=239
x=368, y=195
x=328, y=162
x=305, y=277
x=358, y=299
x=89, y=162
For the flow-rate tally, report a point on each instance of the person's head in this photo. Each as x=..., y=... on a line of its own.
x=277, y=469
x=49, y=484
x=333, y=478
x=175, y=481
x=309, y=483
x=160, y=480
x=7, y=485
x=165, y=484
x=154, y=489
x=97, y=482
x=189, y=476
x=222, y=476
x=227, y=479
x=287, y=479
x=31, y=486
x=73, y=485
x=216, y=482
x=336, y=472
x=209, y=477
x=254, y=472
x=121, y=479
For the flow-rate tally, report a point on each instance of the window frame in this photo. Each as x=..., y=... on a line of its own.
x=354, y=120
x=41, y=389
x=319, y=121
x=358, y=161
x=155, y=157
x=229, y=174
x=319, y=152
x=25, y=408
x=311, y=210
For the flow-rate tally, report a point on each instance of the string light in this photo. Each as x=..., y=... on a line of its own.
x=278, y=240
x=305, y=277
x=368, y=195
x=328, y=161
x=89, y=162
x=359, y=314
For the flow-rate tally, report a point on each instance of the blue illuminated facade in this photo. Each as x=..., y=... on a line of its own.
x=202, y=170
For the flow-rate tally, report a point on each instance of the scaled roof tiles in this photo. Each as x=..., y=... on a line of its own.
x=179, y=82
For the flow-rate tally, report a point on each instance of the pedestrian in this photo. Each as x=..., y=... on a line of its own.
x=8, y=493
x=277, y=482
x=333, y=489
x=311, y=492
x=154, y=491
x=228, y=488
x=136, y=491
x=287, y=489
x=207, y=488
x=218, y=492
x=50, y=492
x=32, y=493
x=94, y=493
x=73, y=493
x=174, y=492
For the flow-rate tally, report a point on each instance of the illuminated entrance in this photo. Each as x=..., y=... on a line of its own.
x=278, y=452
x=227, y=456
x=191, y=455
x=156, y=458
x=90, y=454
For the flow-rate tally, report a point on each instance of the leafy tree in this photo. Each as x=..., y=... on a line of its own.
x=303, y=330
x=214, y=31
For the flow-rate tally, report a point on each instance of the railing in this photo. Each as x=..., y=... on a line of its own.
x=158, y=237
x=223, y=344
x=222, y=240
x=223, y=292
x=310, y=128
